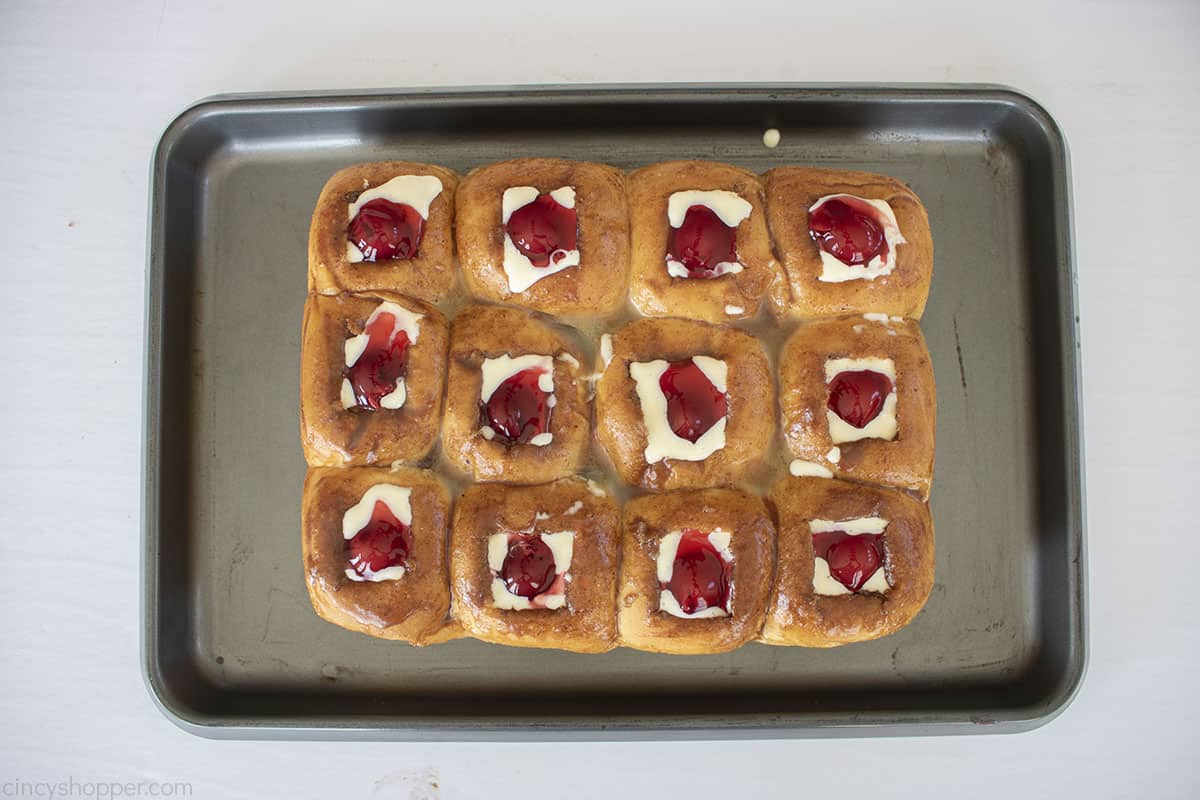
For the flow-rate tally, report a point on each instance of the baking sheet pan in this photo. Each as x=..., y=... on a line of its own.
x=230, y=645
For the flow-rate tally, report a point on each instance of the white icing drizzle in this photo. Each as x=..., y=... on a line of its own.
x=808, y=469
x=606, y=348
x=731, y=207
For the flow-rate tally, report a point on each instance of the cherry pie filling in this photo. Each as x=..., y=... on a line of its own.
x=849, y=229
x=543, y=231
x=694, y=404
x=529, y=568
x=383, y=230
x=852, y=559
x=519, y=409
x=383, y=542
x=857, y=396
x=699, y=576
x=382, y=363
x=702, y=242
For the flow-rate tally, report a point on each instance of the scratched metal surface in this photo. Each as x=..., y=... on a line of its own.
x=231, y=644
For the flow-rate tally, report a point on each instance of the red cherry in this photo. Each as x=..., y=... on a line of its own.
x=699, y=576
x=852, y=559
x=702, y=242
x=849, y=229
x=384, y=542
x=518, y=410
x=385, y=230
x=693, y=404
x=857, y=396
x=528, y=568
x=542, y=229
x=382, y=363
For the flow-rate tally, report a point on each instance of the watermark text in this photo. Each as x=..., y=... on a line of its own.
x=74, y=787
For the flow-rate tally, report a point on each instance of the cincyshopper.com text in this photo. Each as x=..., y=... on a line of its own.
x=73, y=787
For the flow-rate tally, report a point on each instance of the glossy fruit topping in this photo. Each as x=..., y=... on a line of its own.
x=529, y=565
x=857, y=396
x=384, y=230
x=543, y=230
x=384, y=542
x=849, y=229
x=382, y=364
x=519, y=409
x=699, y=576
x=694, y=404
x=702, y=242
x=852, y=559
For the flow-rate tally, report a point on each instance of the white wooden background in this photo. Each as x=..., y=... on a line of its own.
x=85, y=90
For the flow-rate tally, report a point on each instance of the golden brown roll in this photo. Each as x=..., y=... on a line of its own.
x=536, y=566
x=385, y=405
x=857, y=399
x=385, y=225
x=700, y=243
x=516, y=404
x=855, y=562
x=696, y=571
x=683, y=404
x=375, y=551
x=545, y=233
x=885, y=263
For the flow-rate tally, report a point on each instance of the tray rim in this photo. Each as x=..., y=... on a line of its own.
x=827, y=724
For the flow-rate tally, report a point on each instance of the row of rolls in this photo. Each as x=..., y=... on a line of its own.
x=692, y=239
x=741, y=567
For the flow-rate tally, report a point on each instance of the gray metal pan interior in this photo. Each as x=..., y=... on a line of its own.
x=231, y=646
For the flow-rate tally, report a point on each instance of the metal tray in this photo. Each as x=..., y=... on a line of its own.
x=230, y=644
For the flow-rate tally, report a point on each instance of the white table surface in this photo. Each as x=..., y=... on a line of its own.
x=85, y=90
